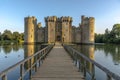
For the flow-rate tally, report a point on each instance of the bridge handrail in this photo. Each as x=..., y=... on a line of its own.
x=110, y=74
x=43, y=51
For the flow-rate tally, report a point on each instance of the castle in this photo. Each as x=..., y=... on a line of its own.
x=59, y=29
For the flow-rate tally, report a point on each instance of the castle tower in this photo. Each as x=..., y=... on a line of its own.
x=66, y=29
x=30, y=29
x=87, y=30
x=51, y=24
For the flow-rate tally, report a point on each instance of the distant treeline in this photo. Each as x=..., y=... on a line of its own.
x=112, y=36
x=7, y=35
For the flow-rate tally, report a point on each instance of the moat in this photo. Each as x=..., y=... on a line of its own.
x=106, y=55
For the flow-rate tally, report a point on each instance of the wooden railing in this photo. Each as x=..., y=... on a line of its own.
x=77, y=58
x=37, y=57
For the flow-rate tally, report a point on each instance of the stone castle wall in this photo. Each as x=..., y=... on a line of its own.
x=87, y=29
x=59, y=29
x=51, y=24
x=66, y=29
x=30, y=29
x=41, y=35
x=77, y=35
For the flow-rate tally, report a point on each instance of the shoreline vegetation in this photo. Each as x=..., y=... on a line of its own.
x=8, y=37
x=109, y=37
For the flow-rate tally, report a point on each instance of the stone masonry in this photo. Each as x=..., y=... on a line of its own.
x=59, y=29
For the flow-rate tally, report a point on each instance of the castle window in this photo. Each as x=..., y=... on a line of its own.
x=31, y=36
x=91, y=30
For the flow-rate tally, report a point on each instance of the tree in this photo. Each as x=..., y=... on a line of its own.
x=106, y=36
x=7, y=35
x=16, y=36
x=99, y=38
x=116, y=30
x=21, y=36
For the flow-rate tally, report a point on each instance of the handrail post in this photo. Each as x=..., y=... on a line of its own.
x=93, y=72
x=39, y=59
x=84, y=69
x=79, y=65
x=21, y=72
x=75, y=59
x=30, y=73
x=35, y=63
x=73, y=55
x=109, y=77
x=4, y=77
x=43, y=54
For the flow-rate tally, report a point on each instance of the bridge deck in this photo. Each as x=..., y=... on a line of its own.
x=57, y=66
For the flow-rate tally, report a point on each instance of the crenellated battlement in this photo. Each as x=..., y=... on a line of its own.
x=66, y=19
x=30, y=18
x=86, y=20
x=50, y=19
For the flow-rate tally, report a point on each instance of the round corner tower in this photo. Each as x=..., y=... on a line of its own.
x=87, y=29
x=91, y=29
x=30, y=25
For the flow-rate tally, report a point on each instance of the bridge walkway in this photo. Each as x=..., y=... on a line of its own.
x=57, y=66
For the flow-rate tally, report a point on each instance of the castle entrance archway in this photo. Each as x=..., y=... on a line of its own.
x=59, y=38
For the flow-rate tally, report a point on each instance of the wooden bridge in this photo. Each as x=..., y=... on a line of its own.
x=57, y=65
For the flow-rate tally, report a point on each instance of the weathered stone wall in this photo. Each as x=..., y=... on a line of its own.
x=59, y=29
x=51, y=24
x=66, y=29
x=30, y=29
x=41, y=35
x=73, y=34
x=77, y=35
x=46, y=34
x=87, y=30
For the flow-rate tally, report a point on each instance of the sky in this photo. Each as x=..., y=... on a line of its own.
x=105, y=12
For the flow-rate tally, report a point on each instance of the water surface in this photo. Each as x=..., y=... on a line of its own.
x=106, y=55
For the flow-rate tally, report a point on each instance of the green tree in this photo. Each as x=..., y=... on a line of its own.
x=16, y=36
x=116, y=30
x=99, y=38
x=21, y=36
x=115, y=33
x=7, y=35
x=106, y=36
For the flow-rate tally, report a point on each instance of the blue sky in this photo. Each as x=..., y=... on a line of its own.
x=12, y=12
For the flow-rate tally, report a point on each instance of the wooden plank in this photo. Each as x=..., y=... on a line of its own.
x=57, y=66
